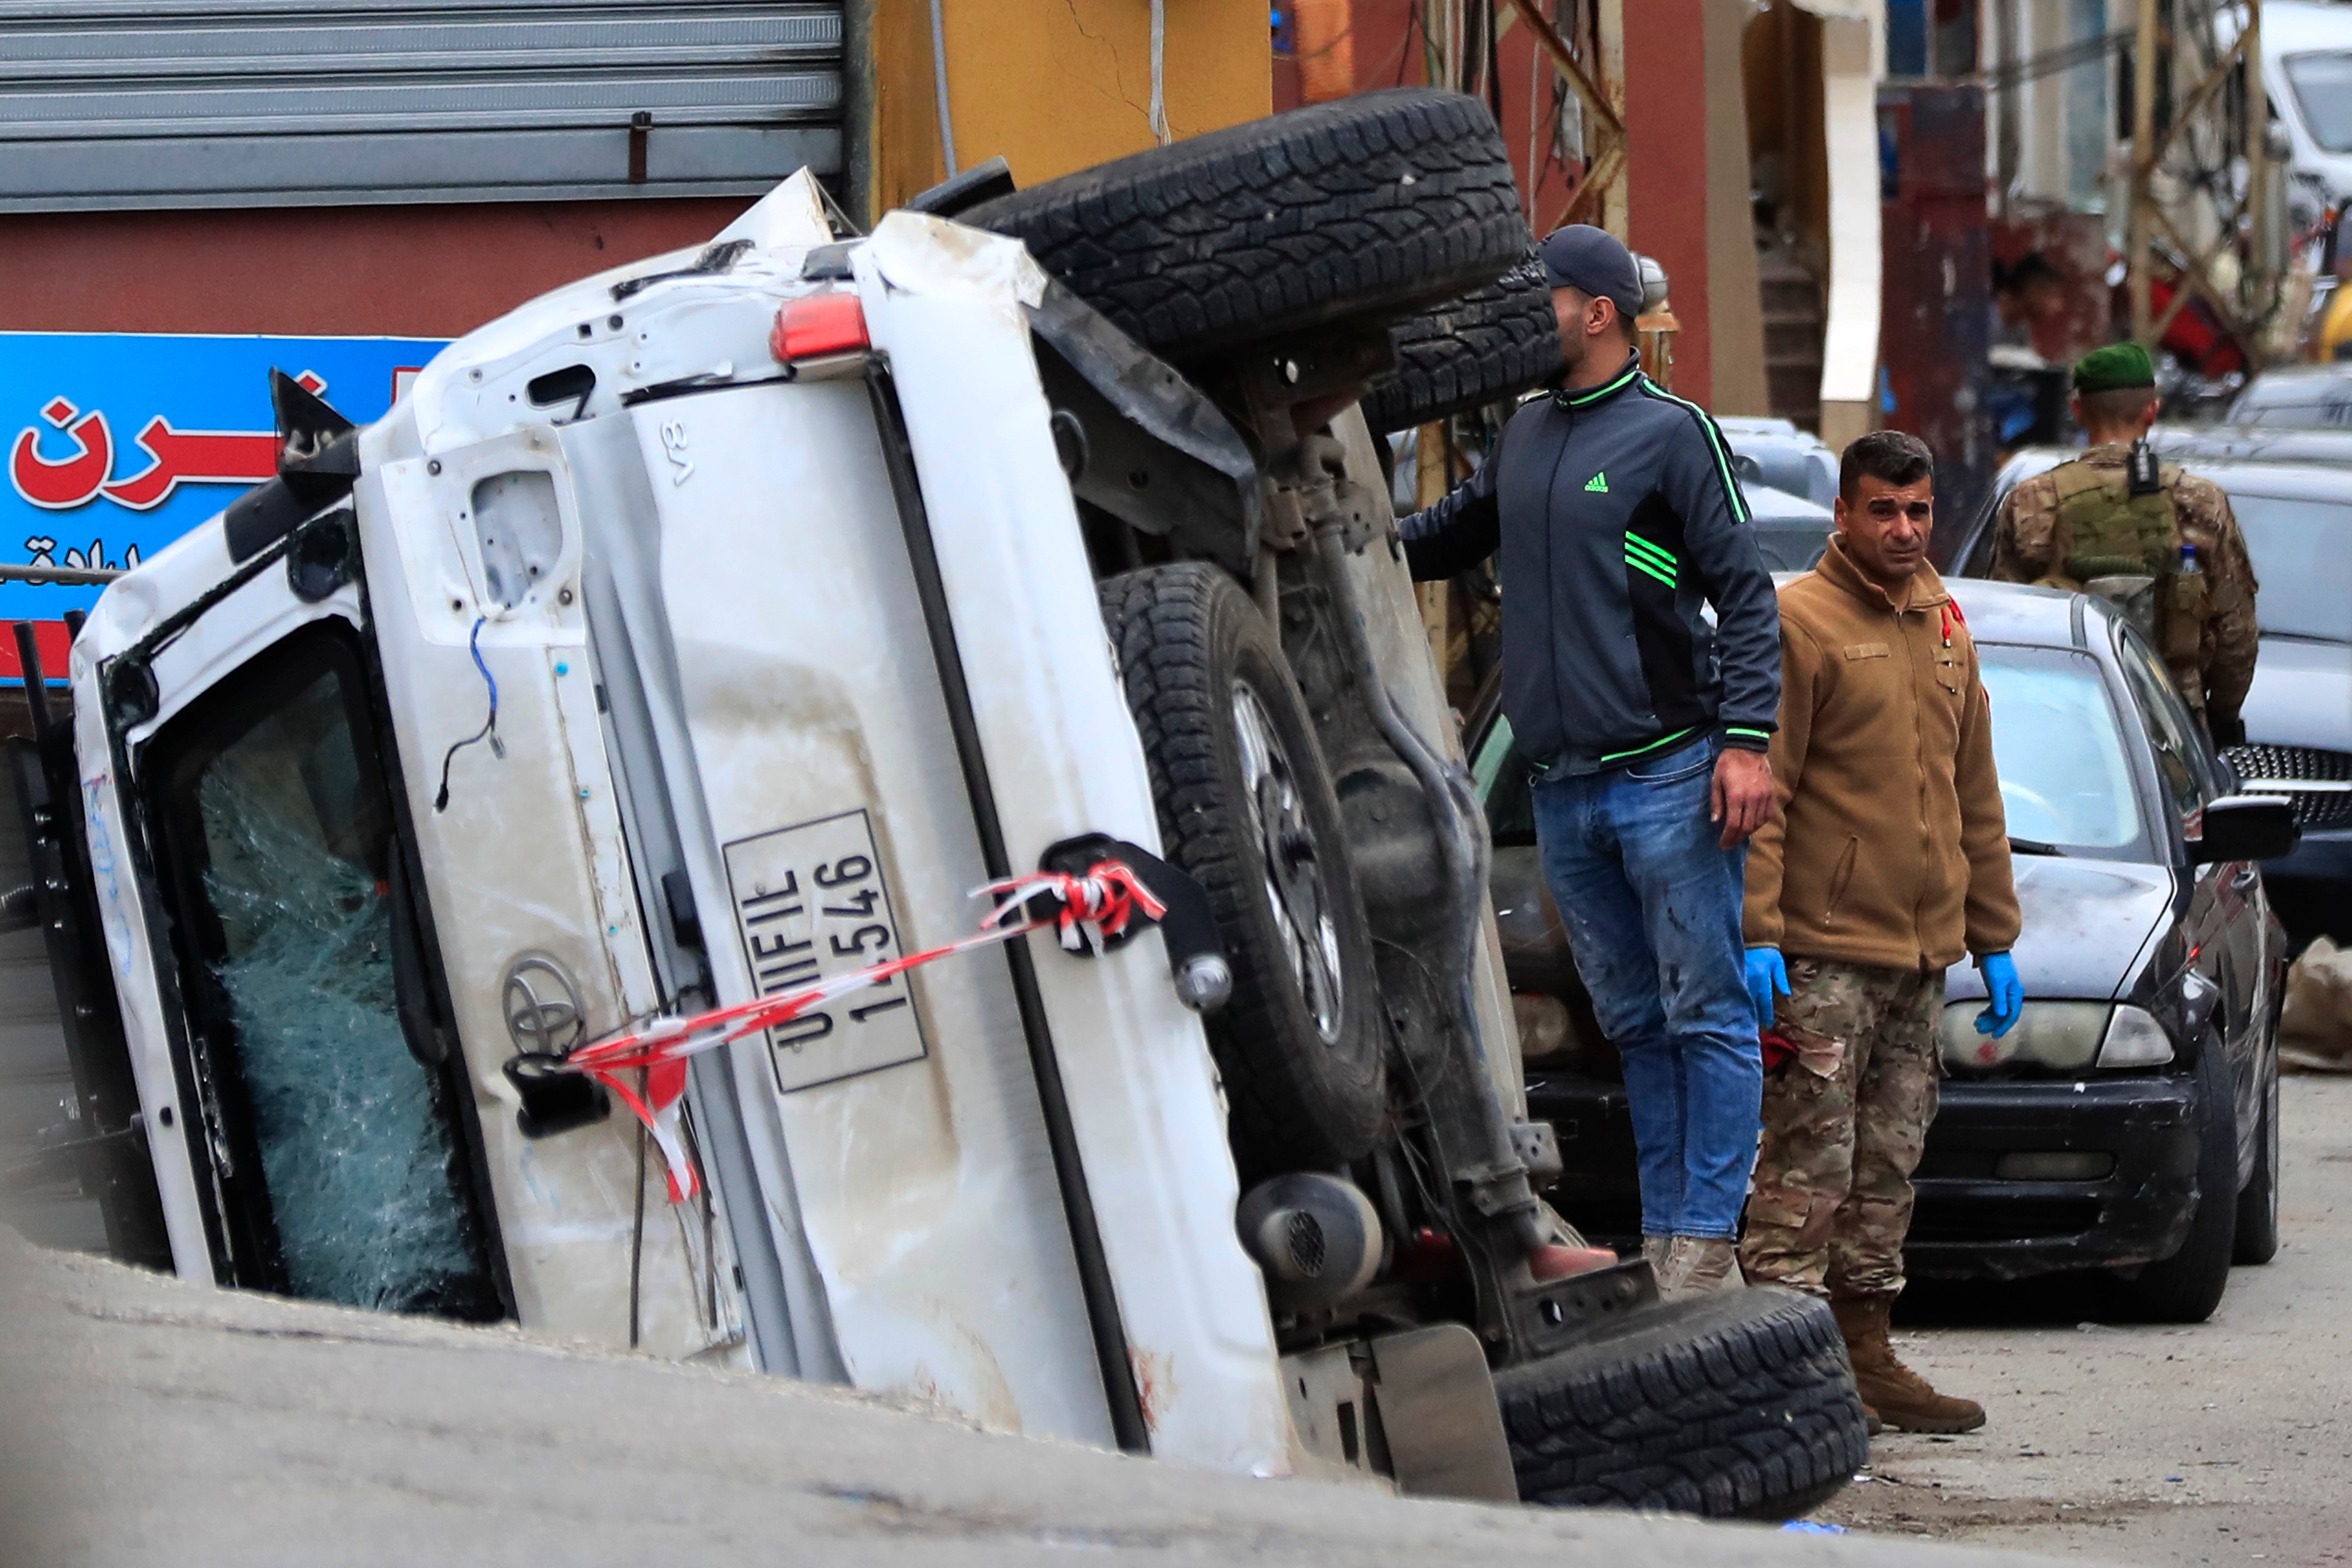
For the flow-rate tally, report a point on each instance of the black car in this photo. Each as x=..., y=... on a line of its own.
x=2297, y=520
x=2129, y=1122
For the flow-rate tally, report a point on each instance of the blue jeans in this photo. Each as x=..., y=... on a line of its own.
x=1651, y=900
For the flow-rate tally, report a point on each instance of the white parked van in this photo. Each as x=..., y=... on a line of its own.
x=2307, y=71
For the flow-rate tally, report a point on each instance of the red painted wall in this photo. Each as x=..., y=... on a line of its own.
x=1387, y=43
x=55, y=648
x=394, y=271
x=1666, y=122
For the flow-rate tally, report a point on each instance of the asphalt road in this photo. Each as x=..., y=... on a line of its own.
x=2226, y=1443
x=144, y=1421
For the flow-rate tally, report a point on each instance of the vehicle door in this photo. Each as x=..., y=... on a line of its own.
x=293, y=1035
x=353, y=843
x=2224, y=926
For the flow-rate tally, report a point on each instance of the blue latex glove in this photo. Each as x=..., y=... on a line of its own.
x=2004, y=990
x=1766, y=974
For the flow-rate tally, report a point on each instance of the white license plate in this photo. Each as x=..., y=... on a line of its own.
x=811, y=903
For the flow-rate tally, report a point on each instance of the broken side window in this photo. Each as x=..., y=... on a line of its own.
x=339, y=1157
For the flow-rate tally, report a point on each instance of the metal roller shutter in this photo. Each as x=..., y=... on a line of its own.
x=175, y=103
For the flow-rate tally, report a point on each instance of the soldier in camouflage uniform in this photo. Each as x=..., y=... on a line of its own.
x=1844, y=1126
x=1887, y=861
x=2058, y=530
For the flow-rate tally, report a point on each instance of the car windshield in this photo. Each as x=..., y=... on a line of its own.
x=2302, y=551
x=2065, y=778
x=2323, y=90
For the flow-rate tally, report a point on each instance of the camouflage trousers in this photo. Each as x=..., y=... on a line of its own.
x=1843, y=1125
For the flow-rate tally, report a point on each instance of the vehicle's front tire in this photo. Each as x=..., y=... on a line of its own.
x=2258, y=1205
x=2185, y=1286
x=1738, y=1404
x=1245, y=807
x=1381, y=203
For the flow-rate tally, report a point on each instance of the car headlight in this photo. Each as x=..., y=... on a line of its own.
x=2067, y=1036
x=2134, y=1040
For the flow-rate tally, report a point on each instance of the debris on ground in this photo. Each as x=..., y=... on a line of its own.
x=2316, y=1028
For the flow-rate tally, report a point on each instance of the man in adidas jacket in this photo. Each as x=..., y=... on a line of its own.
x=1614, y=508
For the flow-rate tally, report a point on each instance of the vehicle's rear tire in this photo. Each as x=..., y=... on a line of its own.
x=1376, y=203
x=1493, y=342
x=2257, y=1204
x=2185, y=1286
x=1738, y=1404
x=1245, y=807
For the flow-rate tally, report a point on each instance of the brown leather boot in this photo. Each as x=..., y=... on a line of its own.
x=1900, y=1397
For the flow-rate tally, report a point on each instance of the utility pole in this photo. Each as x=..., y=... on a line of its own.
x=2143, y=160
x=2196, y=215
x=1601, y=196
x=2269, y=253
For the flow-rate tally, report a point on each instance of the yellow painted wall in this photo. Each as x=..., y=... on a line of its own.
x=1055, y=85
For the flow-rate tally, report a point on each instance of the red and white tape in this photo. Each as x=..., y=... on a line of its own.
x=1099, y=905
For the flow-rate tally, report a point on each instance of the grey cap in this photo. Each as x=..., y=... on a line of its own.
x=1592, y=259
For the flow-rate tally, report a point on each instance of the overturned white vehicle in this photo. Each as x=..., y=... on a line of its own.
x=717, y=625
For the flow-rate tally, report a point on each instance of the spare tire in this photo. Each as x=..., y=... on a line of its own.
x=1738, y=1404
x=1379, y=203
x=1494, y=342
x=1245, y=807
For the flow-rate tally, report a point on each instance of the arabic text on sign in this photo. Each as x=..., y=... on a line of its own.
x=173, y=457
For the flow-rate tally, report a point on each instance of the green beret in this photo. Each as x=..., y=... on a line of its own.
x=2113, y=368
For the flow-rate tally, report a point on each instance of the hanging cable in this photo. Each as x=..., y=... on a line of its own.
x=1159, y=70
x=940, y=80
x=489, y=730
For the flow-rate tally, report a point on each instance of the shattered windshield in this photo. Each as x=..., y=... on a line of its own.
x=354, y=1137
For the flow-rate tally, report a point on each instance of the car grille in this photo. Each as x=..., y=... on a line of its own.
x=2293, y=772
x=1940, y=1219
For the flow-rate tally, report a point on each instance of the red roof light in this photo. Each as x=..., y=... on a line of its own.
x=818, y=325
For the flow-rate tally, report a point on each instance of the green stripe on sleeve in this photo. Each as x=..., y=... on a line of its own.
x=1715, y=445
x=1755, y=734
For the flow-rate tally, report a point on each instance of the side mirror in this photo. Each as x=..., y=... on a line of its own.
x=2246, y=827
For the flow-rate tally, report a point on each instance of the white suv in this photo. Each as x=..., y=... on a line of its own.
x=719, y=624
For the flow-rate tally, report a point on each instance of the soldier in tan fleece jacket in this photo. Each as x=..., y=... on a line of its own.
x=1888, y=860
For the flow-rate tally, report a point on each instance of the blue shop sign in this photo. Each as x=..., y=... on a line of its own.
x=120, y=443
